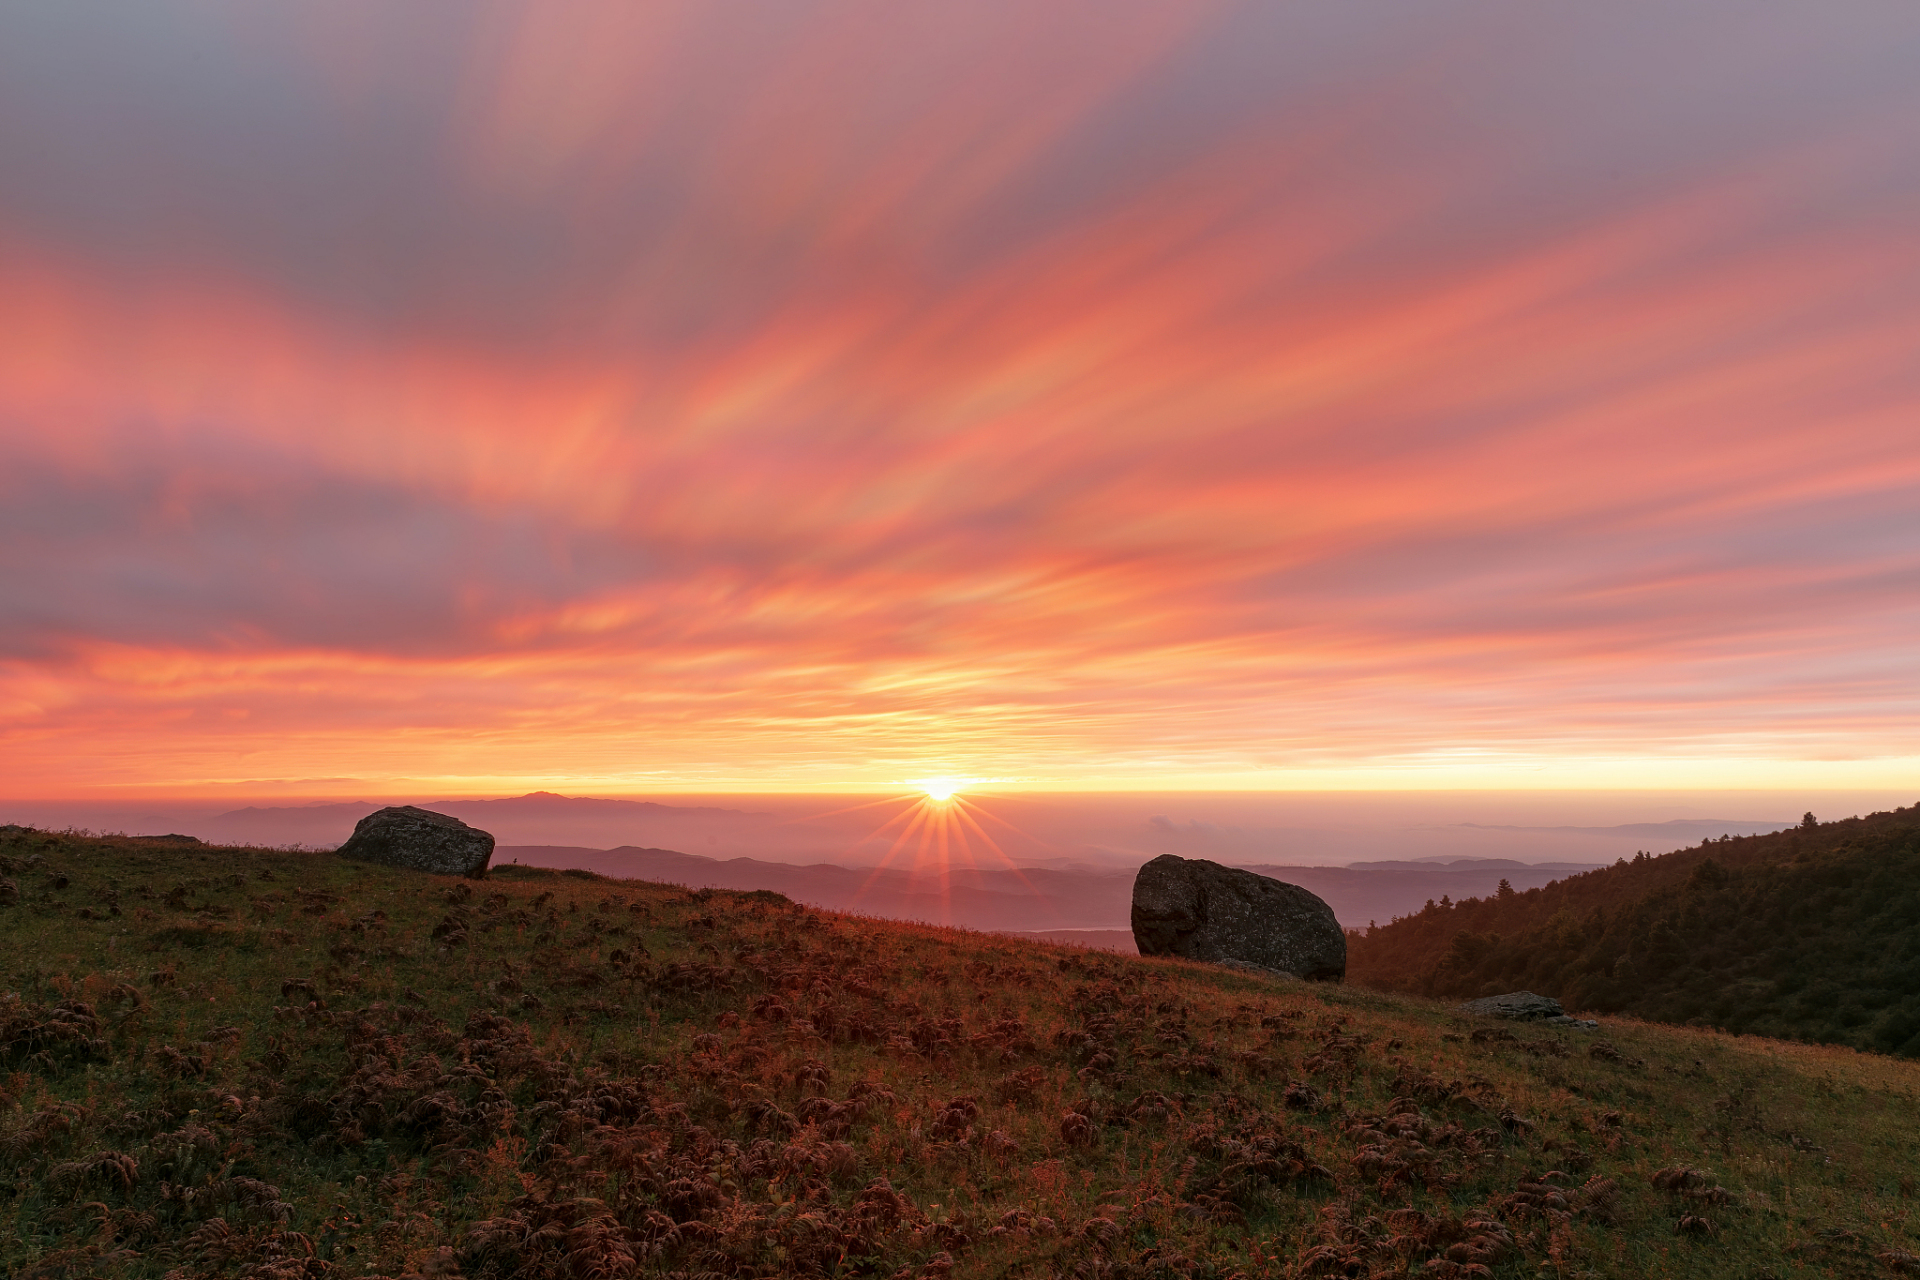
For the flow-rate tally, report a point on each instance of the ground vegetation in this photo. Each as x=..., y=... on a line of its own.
x=281, y=1065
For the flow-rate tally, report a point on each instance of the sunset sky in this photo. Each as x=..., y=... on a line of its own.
x=619, y=397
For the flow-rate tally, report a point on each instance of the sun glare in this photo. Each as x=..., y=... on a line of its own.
x=935, y=834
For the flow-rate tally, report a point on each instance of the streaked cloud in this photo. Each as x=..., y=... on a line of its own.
x=831, y=394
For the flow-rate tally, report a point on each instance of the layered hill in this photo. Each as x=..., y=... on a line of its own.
x=1811, y=934
x=1023, y=898
x=284, y=1066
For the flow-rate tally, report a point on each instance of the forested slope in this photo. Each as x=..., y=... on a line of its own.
x=1809, y=934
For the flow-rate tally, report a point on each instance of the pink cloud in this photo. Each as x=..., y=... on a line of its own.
x=881, y=393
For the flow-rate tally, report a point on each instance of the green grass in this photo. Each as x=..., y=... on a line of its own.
x=250, y=1063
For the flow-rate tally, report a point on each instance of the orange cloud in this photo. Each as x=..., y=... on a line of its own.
x=1003, y=394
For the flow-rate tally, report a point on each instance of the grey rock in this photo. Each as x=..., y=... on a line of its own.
x=420, y=840
x=1517, y=1006
x=14, y=829
x=1203, y=911
x=1572, y=1024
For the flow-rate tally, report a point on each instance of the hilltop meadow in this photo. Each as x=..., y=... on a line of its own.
x=250, y=1063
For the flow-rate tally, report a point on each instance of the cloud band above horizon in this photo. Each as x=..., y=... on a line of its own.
x=1209, y=395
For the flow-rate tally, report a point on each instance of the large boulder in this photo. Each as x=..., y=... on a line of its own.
x=1203, y=911
x=420, y=840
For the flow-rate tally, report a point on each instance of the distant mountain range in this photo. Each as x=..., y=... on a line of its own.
x=1685, y=830
x=1062, y=832
x=1068, y=867
x=1469, y=864
x=1028, y=898
x=540, y=817
x=533, y=804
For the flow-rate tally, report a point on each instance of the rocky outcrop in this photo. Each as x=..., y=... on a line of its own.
x=1516, y=1006
x=420, y=840
x=1203, y=911
x=1524, y=1006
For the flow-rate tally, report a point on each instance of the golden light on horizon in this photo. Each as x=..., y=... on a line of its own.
x=936, y=833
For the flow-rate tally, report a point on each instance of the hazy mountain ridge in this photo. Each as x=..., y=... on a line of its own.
x=1030, y=899
x=1468, y=864
x=1019, y=898
x=1811, y=933
x=540, y=817
x=1673, y=829
x=533, y=804
x=1061, y=832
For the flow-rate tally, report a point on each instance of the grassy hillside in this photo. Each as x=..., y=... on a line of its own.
x=233, y=1063
x=1808, y=934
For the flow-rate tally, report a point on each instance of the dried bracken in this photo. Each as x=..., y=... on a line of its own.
x=113, y=1168
x=1349, y=1244
x=66, y=1031
x=1077, y=1130
x=1678, y=1177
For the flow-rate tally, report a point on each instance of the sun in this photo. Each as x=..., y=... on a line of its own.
x=941, y=790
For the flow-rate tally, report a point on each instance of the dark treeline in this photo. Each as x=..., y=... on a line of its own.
x=1810, y=934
